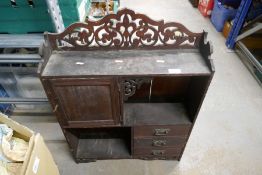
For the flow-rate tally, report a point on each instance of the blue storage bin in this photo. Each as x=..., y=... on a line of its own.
x=5, y=108
x=221, y=14
x=232, y=3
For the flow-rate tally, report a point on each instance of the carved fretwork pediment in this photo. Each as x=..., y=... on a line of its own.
x=124, y=30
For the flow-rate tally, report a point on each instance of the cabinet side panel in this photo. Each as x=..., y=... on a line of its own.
x=47, y=85
x=196, y=93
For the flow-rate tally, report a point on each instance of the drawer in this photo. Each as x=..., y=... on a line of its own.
x=158, y=153
x=162, y=130
x=159, y=142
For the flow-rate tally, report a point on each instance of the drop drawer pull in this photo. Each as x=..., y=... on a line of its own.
x=159, y=142
x=158, y=152
x=162, y=131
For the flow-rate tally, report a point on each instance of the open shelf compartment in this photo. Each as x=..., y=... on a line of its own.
x=150, y=113
x=100, y=143
x=165, y=100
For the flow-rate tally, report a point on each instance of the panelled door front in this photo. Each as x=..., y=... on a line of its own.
x=92, y=101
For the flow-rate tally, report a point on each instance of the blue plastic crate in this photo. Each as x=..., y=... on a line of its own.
x=221, y=14
x=5, y=108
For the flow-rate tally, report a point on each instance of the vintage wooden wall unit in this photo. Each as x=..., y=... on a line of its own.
x=126, y=86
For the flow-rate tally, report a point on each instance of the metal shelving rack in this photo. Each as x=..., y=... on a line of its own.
x=238, y=33
x=249, y=60
x=247, y=57
x=238, y=23
x=32, y=41
x=20, y=41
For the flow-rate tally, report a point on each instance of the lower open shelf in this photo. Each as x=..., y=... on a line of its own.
x=103, y=148
x=100, y=143
x=155, y=113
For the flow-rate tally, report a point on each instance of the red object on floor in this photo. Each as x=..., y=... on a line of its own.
x=206, y=7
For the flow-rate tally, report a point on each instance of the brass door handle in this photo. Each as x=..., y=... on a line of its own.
x=55, y=109
x=159, y=142
x=162, y=131
x=158, y=152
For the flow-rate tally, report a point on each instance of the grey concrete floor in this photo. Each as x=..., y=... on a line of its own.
x=227, y=136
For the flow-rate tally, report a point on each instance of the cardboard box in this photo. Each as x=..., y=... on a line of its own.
x=38, y=159
x=227, y=29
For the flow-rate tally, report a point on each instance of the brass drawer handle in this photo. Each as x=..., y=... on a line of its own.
x=159, y=142
x=158, y=152
x=161, y=131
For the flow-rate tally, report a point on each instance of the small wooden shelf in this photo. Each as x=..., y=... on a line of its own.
x=124, y=62
x=152, y=113
x=100, y=143
x=116, y=148
x=126, y=86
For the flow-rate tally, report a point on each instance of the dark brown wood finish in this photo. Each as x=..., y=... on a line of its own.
x=124, y=30
x=99, y=143
x=162, y=130
x=53, y=101
x=169, y=89
x=164, y=153
x=88, y=101
x=106, y=112
x=160, y=142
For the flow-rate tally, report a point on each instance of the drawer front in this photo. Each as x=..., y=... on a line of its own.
x=162, y=130
x=159, y=142
x=164, y=153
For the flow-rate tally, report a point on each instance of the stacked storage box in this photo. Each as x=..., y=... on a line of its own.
x=5, y=108
x=221, y=13
x=74, y=10
x=7, y=89
x=32, y=16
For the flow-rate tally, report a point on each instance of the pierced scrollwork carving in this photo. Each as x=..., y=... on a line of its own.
x=124, y=30
x=131, y=85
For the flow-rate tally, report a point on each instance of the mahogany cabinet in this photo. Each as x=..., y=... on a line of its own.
x=126, y=86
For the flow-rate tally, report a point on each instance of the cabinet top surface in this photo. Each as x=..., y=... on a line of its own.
x=126, y=62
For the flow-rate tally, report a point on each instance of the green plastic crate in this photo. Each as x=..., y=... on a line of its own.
x=67, y=11
x=25, y=19
x=116, y=5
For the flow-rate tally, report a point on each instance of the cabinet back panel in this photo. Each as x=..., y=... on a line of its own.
x=163, y=90
x=169, y=89
x=141, y=94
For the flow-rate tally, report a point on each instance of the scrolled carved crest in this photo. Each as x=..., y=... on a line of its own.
x=124, y=30
x=131, y=85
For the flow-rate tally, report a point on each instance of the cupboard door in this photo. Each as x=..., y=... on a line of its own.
x=92, y=101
